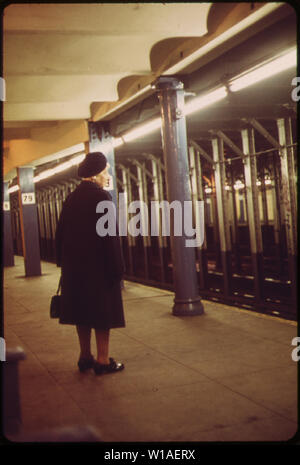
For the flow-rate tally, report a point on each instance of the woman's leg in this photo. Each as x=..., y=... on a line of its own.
x=102, y=342
x=84, y=335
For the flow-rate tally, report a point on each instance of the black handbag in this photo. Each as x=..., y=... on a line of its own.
x=56, y=303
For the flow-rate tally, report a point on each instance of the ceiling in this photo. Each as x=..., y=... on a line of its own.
x=59, y=58
x=67, y=64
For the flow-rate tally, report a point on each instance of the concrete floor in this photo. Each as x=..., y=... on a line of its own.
x=227, y=375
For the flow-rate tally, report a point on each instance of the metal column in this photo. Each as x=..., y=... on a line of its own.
x=8, y=249
x=276, y=197
x=253, y=211
x=157, y=198
x=174, y=139
x=288, y=185
x=128, y=199
x=143, y=197
x=198, y=195
x=264, y=200
x=235, y=229
x=222, y=208
x=29, y=222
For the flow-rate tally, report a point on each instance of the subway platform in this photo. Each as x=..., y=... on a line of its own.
x=227, y=375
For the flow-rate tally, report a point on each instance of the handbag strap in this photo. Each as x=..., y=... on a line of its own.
x=59, y=286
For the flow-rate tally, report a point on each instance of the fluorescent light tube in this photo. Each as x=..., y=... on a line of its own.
x=205, y=100
x=117, y=142
x=196, y=104
x=59, y=168
x=286, y=61
x=142, y=130
x=13, y=189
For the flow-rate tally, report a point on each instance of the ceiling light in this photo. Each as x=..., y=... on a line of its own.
x=59, y=168
x=142, y=130
x=13, y=189
x=117, y=142
x=205, y=100
x=275, y=66
x=196, y=104
x=253, y=76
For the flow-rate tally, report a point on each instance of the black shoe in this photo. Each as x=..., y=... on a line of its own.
x=113, y=367
x=85, y=364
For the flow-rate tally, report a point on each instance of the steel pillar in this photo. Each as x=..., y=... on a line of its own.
x=235, y=229
x=8, y=249
x=157, y=192
x=223, y=219
x=174, y=139
x=250, y=172
x=278, y=214
x=128, y=198
x=264, y=200
x=29, y=222
x=198, y=194
x=143, y=197
x=289, y=197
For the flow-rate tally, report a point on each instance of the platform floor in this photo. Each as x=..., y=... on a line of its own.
x=226, y=375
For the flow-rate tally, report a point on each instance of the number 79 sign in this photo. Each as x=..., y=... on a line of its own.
x=28, y=198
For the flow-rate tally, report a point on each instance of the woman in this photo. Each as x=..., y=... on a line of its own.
x=92, y=267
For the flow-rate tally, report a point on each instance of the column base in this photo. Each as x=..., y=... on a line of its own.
x=189, y=307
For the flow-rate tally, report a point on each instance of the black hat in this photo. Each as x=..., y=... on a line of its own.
x=93, y=164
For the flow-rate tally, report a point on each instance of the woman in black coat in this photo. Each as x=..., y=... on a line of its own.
x=92, y=267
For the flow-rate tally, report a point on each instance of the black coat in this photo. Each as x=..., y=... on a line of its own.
x=92, y=266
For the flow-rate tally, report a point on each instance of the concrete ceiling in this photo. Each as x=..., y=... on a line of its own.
x=59, y=58
x=66, y=64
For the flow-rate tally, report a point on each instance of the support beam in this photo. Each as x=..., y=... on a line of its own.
x=202, y=152
x=250, y=172
x=8, y=249
x=157, y=198
x=264, y=132
x=278, y=213
x=29, y=222
x=230, y=144
x=198, y=195
x=222, y=208
x=128, y=195
x=289, y=197
x=235, y=229
x=171, y=97
x=143, y=197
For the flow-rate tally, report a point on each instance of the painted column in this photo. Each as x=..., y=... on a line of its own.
x=223, y=219
x=289, y=198
x=174, y=139
x=8, y=249
x=198, y=195
x=250, y=172
x=29, y=222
